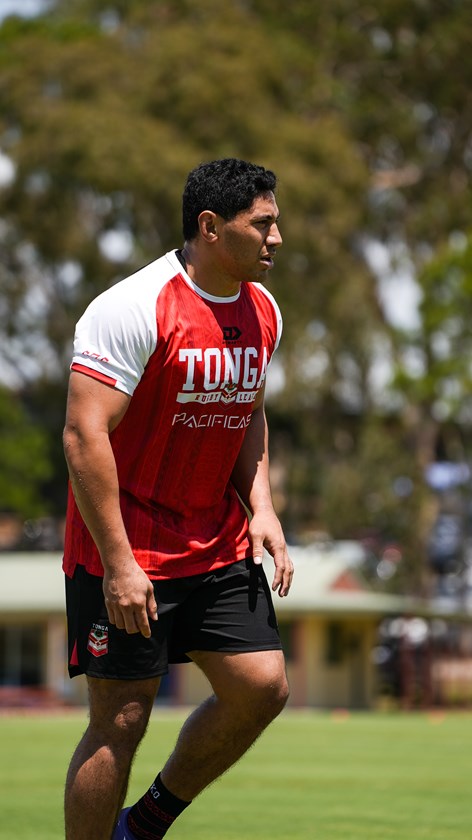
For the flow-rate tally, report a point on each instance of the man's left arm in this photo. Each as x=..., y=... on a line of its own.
x=251, y=480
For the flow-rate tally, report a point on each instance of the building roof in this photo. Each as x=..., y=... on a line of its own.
x=327, y=581
x=32, y=582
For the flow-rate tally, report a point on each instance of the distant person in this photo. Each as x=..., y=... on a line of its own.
x=166, y=444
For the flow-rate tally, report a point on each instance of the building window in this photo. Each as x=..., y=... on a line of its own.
x=21, y=654
x=334, y=643
x=287, y=633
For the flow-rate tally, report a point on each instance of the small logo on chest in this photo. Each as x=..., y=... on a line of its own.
x=231, y=333
x=229, y=393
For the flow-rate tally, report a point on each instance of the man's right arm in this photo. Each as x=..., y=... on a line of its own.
x=93, y=411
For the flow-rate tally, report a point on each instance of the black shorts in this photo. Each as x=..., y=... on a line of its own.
x=228, y=610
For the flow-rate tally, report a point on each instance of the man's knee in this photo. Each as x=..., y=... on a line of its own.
x=254, y=684
x=284, y=692
x=275, y=694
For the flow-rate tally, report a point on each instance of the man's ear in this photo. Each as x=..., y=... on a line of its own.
x=207, y=224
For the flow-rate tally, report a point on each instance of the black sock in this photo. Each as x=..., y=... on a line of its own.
x=155, y=812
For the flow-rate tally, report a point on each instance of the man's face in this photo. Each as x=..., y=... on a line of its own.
x=247, y=243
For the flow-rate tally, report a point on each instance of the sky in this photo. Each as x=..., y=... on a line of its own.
x=24, y=8
x=398, y=291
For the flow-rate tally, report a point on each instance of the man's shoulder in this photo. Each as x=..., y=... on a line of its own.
x=142, y=287
x=156, y=273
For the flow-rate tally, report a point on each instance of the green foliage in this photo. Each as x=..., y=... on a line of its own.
x=24, y=462
x=374, y=490
x=444, y=345
x=364, y=112
x=112, y=122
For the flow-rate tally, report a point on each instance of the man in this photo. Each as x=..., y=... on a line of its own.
x=166, y=444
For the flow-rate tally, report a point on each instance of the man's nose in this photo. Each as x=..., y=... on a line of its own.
x=274, y=236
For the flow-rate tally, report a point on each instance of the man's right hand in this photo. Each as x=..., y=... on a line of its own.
x=129, y=599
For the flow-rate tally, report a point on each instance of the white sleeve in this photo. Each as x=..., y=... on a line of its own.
x=117, y=334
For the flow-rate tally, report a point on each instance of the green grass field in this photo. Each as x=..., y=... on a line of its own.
x=312, y=776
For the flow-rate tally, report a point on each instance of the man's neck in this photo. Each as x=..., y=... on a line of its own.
x=205, y=275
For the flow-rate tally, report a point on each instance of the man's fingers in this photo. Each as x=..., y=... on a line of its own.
x=129, y=619
x=130, y=602
x=283, y=574
x=257, y=550
x=277, y=583
x=142, y=622
x=134, y=621
x=110, y=611
x=152, y=606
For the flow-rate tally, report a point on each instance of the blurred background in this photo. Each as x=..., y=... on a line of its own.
x=364, y=111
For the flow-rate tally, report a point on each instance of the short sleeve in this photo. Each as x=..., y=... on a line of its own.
x=116, y=335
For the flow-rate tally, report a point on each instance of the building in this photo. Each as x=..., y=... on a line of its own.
x=328, y=624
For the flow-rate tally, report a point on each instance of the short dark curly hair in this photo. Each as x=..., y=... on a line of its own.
x=225, y=187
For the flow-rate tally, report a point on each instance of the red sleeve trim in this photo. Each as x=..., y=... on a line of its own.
x=108, y=380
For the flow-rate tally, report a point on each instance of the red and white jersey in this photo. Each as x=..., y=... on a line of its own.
x=193, y=364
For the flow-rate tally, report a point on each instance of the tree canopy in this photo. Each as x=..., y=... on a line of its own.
x=363, y=111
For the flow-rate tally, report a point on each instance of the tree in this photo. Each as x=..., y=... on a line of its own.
x=24, y=461
x=363, y=110
x=103, y=125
